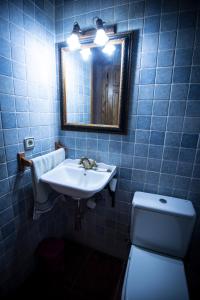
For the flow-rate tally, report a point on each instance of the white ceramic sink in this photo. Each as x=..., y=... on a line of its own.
x=70, y=179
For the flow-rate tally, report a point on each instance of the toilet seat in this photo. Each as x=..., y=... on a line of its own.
x=151, y=276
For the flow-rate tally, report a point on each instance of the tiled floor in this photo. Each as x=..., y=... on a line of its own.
x=87, y=275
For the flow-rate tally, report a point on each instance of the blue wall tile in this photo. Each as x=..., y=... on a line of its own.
x=5, y=49
x=5, y=66
x=187, y=155
x=152, y=178
x=189, y=140
x=142, y=136
x=136, y=10
x=160, y=108
x=140, y=163
x=146, y=92
x=143, y=122
x=144, y=108
x=191, y=125
x=4, y=12
x=179, y=91
x=2, y=155
x=4, y=29
x=162, y=92
x=165, y=58
x=193, y=109
x=166, y=180
x=182, y=182
x=152, y=24
x=157, y=137
x=183, y=57
x=196, y=57
x=7, y=103
x=11, y=152
x=121, y=13
x=149, y=60
x=154, y=164
x=163, y=75
x=155, y=151
x=175, y=124
x=6, y=84
x=8, y=120
x=147, y=76
x=187, y=19
x=177, y=108
x=141, y=150
x=15, y=15
x=185, y=38
x=194, y=92
x=126, y=173
x=158, y=123
x=169, y=167
x=169, y=22
x=3, y=171
x=138, y=175
x=167, y=40
x=170, y=153
x=196, y=172
x=184, y=169
x=150, y=42
x=173, y=139
x=4, y=187
x=195, y=76
x=128, y=148
x=181, y=74
x=170, y=6
x=115, y=147
x=153, y=7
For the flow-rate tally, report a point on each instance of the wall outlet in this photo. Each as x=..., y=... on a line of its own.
x=29, y=143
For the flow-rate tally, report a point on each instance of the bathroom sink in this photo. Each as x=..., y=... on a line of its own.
x=69, y=178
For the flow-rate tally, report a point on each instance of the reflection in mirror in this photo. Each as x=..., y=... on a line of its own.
x=94, y=84
x=94, y=76
x=106, y=86
x=78, y=77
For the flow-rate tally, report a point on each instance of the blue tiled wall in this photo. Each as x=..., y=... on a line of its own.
x=28, y=108
x=161, y=152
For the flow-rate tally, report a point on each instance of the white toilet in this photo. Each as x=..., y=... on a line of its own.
x=161, y=229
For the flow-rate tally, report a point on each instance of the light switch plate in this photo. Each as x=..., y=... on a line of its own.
x=29, y=143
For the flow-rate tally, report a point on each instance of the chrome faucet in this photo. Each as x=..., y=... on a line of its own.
x=87, y=163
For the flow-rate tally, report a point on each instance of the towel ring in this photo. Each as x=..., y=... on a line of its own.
x=23, y=162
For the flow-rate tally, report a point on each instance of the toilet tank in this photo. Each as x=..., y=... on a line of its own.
x=161, y=223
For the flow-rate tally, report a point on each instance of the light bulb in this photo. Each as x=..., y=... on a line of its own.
x=73, y=42
x=85, y=53
x=109, y=49
x=101, y=37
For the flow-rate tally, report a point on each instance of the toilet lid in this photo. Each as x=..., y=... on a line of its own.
x=151, y=276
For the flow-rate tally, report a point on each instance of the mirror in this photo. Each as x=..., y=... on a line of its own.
x=95, y=84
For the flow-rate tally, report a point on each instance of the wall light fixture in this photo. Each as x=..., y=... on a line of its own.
x=73, y=39
x=101, y=38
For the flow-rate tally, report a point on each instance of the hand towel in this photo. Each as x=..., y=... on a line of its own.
x=44, y=196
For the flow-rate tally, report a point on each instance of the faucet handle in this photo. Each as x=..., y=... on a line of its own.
x=87, y=163
x=93, y=163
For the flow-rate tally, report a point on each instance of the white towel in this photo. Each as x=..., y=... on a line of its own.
x=44, y=196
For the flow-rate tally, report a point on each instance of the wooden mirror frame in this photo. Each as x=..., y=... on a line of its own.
x=124, y=92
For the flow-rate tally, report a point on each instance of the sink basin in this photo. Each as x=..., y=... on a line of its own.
x=70, y=179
